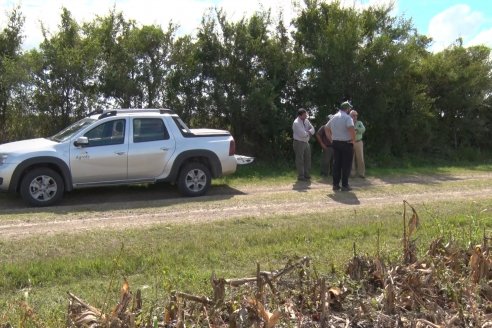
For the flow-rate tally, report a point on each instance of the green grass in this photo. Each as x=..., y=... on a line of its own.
x=183, y=256
x=261, y=172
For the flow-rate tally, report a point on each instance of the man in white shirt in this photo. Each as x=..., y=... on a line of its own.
x=302, y=131
x=341, y=130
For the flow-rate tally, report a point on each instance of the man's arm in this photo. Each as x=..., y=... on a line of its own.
x=352, y=133
x=328, y=133
x=361, y=128
x=310, y=128
x=299, y=129
x=319, y=139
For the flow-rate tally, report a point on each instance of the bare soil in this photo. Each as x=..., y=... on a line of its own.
x=141, y=206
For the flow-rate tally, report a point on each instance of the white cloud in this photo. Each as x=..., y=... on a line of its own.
x=185, y=13
x=455, y=22
x=237, y=9
x=49, y=12
x=483, y=38
x=444, y=28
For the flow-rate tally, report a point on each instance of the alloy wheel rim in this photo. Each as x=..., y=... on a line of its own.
x=43, y=188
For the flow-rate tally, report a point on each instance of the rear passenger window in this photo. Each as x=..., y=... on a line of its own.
x=149, y=129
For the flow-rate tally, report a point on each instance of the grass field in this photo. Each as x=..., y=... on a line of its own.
x=40, y=270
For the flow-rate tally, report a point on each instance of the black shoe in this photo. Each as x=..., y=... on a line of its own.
x=301, y=179
x=336, y=188
x=362, y=176
x=346, y=188
x=307, y=177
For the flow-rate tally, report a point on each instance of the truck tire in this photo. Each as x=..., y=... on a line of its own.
x=42, y=187
x=194, y=179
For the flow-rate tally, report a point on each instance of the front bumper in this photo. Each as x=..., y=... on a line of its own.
x=6, y=172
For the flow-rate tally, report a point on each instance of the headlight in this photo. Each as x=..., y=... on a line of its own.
x=3, y=158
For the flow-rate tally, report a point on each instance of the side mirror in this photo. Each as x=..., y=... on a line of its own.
x=81, y=142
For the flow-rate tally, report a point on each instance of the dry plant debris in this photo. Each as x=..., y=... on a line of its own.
x=448, y=287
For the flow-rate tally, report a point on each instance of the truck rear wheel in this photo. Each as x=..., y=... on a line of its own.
x=42, y=187
x=194, y=179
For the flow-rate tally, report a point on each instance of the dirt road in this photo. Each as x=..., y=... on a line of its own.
x=142, y=206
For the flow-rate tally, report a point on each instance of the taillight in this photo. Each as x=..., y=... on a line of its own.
x=232, y=148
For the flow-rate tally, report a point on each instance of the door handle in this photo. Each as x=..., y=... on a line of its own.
x=119, y=153
x=164, y=148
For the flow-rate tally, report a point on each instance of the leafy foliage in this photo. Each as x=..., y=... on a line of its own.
x=251, y=75
x=10, y=68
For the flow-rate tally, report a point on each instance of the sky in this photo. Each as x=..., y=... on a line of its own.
x=443, y=20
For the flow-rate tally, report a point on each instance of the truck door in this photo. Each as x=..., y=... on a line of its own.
x=150, y=148
x=105, y=159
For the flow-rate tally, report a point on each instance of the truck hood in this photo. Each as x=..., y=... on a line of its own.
x=27, y=146
x=209, y=132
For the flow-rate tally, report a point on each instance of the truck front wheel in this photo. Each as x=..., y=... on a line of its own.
x=42, y=187
x=194, y=179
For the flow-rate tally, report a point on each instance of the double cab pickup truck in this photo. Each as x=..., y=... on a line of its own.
x=118, y=147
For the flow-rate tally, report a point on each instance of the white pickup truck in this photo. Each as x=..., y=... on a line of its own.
x=118, y=147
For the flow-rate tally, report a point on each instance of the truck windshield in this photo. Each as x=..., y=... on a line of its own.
x=71, y=130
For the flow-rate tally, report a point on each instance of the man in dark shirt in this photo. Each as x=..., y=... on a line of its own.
x=326, y=149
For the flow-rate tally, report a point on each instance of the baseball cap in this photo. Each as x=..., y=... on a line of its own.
x=346, y=105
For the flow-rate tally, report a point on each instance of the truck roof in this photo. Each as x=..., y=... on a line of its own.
x=99, y=114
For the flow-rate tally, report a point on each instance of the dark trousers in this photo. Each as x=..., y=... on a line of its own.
x=343, y=153
x=327, y=161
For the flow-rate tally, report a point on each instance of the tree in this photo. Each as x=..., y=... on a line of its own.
x=371, y=58
x=459, y=82
x=11, y=70
x=151, y=48
x=329, y=37
x=116, y=65
x=390, y=93
x=133, y=61
x=64, y=76
x=241, y=74
x=184, y=89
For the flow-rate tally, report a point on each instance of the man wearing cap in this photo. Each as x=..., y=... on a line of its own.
x=326, y=149
x=358, y=164
x=302, y=131
x=340, y=129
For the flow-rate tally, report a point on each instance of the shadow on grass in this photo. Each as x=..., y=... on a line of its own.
x=302, y=186
x=419, y=178
x=116, y=198
x=401, y=179
x=344, y=197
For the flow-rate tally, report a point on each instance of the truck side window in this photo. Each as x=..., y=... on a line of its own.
x=108, y=133
x=149, y=129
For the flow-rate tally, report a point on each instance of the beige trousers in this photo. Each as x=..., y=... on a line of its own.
x=358, y=165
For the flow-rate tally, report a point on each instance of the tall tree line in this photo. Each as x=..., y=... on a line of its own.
x=250, y=76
